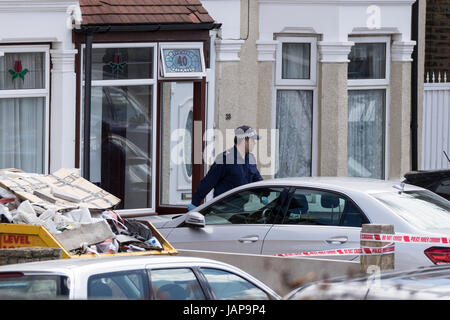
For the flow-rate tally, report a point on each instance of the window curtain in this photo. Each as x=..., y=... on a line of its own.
x=22, y=134
x=366, y=136
x=294, y=124
x=296, y=60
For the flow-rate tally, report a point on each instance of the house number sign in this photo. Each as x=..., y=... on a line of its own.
x=182, y=60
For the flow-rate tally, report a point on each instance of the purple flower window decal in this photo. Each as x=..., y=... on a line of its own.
x=17, y=71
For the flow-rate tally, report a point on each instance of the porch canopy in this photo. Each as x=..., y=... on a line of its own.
x=122, y=43
x=118, y=12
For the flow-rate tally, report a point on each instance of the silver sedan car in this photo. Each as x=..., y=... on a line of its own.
x=295, y=215
x=135, y=278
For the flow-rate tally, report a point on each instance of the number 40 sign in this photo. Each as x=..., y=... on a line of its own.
x=182, y=62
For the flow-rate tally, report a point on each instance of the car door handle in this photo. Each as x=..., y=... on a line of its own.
x=249, y=239
x=337, y=240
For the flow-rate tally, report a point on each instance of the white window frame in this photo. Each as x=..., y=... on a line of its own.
x=374, y=82
x=127, y=82
x=377, y=84
x=34, y=93
x=312, y=81
x=209, y=107
x=297, y=85
x=163, y=74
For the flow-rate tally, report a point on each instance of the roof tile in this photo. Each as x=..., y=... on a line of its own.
x=99, y=12
x=194, y=18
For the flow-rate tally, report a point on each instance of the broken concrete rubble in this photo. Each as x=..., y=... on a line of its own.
x=76, y=212
x=62, y=190
x=90, y=234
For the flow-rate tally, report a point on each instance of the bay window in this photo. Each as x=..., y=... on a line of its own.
x=368, y=85
x=24, y=107
x=141, y=123
x=122, y=142
x=295, y=104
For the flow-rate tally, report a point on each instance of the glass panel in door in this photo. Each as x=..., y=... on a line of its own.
x=121, y=143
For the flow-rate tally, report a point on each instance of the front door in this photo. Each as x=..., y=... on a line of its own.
x=180, y=184
x=177, y=124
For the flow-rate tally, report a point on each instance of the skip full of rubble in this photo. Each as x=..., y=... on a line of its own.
x=76, y=212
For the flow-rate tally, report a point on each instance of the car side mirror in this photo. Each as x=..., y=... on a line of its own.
x=195, y=219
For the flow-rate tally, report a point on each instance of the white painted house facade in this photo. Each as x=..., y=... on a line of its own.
x=332, y=76
x=37, y=36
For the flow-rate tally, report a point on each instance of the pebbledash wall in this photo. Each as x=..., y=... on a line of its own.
x=250, y=85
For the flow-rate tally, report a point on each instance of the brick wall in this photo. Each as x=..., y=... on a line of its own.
x=437, y=44
x=28, y=254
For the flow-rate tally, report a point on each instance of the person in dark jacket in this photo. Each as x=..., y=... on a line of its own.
x=232, y=168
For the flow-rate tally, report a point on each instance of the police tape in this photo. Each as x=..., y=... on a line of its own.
x=391, y=238
x=390, y=248
x=404, y=238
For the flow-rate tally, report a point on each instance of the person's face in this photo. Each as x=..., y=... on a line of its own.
x=249, y=145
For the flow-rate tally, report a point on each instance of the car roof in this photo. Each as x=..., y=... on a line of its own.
x=350, y=186
x=103, y=262
x=429, y=279
x=366, y=185
x=426, y=176
x=115, y=263
x=431, y=271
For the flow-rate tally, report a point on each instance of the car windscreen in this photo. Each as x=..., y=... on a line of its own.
x=421, y=208
x=17, y=285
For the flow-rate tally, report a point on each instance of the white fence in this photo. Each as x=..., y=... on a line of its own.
x=436, y=122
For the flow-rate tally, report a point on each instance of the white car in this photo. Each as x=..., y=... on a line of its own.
x=294, y=215
x=425, y=283
x=136, y=277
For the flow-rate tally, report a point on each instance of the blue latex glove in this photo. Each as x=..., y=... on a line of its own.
x=191, y=207
x=264, y=200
